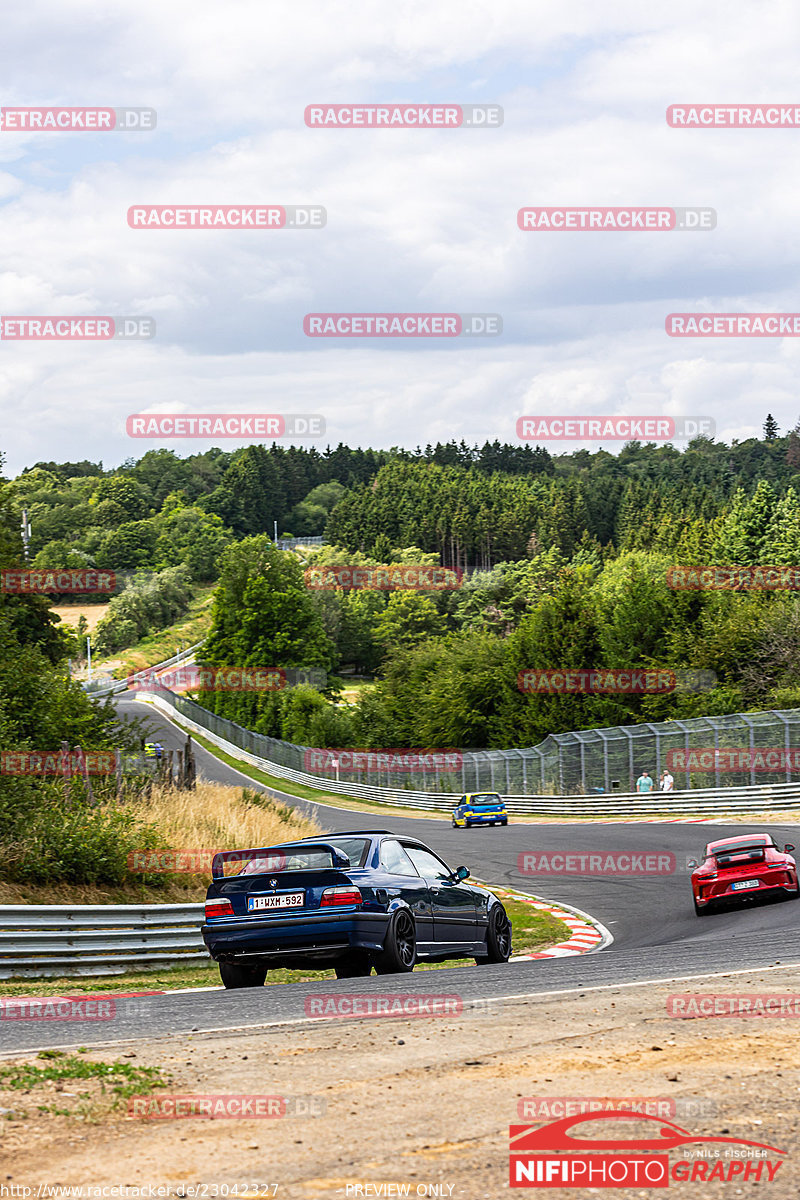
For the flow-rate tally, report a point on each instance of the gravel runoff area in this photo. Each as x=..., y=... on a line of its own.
x=421, y=1106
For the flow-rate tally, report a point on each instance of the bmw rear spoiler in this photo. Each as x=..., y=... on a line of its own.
x=277, y=853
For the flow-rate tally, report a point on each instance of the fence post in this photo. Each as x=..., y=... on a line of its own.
x=83, y=766
x=190, y=771
x=66, y=772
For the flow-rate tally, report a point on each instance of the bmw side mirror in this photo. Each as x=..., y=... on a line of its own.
x=788, y=847
x=461, y=873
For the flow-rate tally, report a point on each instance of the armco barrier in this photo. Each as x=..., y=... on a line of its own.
x=102, y=939
x=122, y=684
x=704, y=802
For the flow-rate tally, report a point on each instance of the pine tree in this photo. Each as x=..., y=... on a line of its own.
x=770, y=428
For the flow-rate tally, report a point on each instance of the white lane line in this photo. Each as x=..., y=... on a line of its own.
x=576, y=989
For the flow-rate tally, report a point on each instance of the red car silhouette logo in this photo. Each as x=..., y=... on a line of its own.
x=556, y=1136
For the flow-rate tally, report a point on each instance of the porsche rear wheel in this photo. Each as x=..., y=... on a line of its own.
x=498, y=936
x=235, y=976
x=354, y=966
x=399, y=952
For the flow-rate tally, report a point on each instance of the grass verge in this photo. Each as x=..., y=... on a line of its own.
x=162, y=644
x=102, y=1087
x=307, y=793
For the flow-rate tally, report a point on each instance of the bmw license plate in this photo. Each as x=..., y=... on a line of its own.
x=276, y=900
x=744, y=883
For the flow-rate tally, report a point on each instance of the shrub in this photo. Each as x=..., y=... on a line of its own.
x=77, y=844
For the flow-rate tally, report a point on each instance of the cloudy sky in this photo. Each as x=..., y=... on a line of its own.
x=417, y=220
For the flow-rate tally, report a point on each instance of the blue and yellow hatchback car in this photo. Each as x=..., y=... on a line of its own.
x=480, y=808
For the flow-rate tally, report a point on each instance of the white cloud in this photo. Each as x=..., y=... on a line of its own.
x=417, y=220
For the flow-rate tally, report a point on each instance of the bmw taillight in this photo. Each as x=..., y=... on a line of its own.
x=218, y=908
x=334, y=896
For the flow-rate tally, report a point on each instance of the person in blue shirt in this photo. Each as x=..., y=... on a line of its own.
x=644, y=783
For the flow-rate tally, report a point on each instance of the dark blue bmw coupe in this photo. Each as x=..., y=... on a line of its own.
x=349, y=901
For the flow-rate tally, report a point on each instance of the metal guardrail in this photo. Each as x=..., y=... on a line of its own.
x=39, y=940
x=707, y=801
x=294, y=542
x=122, y=684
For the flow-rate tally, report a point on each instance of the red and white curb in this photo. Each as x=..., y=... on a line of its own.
x=586, y=931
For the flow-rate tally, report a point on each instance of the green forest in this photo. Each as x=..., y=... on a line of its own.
x=564, y=560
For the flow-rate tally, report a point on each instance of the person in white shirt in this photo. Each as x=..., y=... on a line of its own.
x=667, y=782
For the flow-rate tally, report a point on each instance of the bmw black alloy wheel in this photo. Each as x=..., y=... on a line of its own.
x=405, y=939
x=498, y=936
x=399, y=952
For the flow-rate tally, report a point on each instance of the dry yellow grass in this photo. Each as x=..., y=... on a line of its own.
x=211, y=817
x=214, y=817
x=71, y=613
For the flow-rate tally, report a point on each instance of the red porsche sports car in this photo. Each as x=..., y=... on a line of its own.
x=744, y=866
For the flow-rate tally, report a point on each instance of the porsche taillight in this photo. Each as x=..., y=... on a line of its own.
x=218, y=908
x=333, y=897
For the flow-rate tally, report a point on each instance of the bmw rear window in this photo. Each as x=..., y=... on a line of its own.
x=355, y=848
x=283, y=859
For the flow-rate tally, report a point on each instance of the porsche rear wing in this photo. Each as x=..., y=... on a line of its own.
x=740, y=856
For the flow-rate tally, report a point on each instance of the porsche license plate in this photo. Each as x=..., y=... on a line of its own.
x=276, y=900
x=744, y=883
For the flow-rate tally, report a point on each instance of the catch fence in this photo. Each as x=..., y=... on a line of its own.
x=739, y=750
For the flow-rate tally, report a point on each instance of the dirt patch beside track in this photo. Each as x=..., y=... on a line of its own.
x=427, y=1102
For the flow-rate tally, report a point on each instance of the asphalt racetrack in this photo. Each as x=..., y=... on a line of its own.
x=656, y=933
